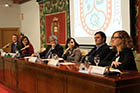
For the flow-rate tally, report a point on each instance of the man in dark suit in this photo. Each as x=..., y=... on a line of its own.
x=101, y=49
x=15, y=46
x=54, y=48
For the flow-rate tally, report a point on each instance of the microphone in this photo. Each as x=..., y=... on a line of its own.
x=108, y=72
x=6, y=46
x=66, y=51
x=25, y=47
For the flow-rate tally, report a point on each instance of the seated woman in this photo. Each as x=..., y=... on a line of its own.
x=72, y=52
x=121, y=56
x=26, y=47
x=54, y=48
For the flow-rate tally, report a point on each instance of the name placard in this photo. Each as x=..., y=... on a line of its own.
x=12, y=54
x=33, y=59
x=53, y=62
x=97, y=69
x=3, y=53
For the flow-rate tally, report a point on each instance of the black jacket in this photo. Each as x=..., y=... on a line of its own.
x=57, y=50
x=126, y=57
x=15, y=47
x=101, y=52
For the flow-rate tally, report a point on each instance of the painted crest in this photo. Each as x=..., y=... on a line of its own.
x=95, y=15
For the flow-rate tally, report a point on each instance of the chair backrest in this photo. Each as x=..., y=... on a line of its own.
x=84, y=52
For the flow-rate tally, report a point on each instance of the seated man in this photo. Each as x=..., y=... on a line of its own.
x=101, y=49
x=15, y=46
x=54, y=48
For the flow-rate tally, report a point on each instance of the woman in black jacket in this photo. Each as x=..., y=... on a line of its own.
x=121, y=56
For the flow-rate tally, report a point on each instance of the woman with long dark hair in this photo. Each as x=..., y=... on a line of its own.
x=26, y=47
x=72, y=51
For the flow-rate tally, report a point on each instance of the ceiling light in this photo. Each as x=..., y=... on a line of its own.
x=6, y=5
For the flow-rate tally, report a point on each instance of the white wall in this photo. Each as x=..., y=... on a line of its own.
x=30, y=25
x=10, y=16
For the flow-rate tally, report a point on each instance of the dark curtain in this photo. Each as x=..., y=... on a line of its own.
x=133, y=21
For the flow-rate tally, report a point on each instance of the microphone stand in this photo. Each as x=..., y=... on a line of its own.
x=1, y=50
x=17, y=54
x=110, y=73
x=6, y=46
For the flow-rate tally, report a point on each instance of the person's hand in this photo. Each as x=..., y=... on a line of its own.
x=42, y=50
x=53, y=45
x=116, y=64
x=33, y=55
x=70, y=46
x=66, y=50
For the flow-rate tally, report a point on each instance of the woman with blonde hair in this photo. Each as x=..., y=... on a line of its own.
x=121, y=56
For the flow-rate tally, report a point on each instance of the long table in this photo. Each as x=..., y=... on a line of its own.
x=31, y=77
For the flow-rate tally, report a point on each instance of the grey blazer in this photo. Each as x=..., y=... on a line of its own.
x=74, y=55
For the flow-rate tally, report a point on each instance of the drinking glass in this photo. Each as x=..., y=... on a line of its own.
x=96, y=60
x=82, y=67
x=55, y=56
x=38, y=55
x=86, y=60
x=87, y=63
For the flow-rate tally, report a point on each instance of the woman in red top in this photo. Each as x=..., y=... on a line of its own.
x=26, y=47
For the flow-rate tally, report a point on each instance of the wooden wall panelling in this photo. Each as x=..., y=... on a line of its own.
x=20, y=1
x=83, y=85
x=33, y=79
x=1, y=69
x=26, y=78
x=40, y=78
x=10, y=72
x=51, y=81
x=6, y=36
x=0, y=38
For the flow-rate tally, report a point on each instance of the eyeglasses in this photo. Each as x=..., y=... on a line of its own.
x=116, y=37
x=52, y=40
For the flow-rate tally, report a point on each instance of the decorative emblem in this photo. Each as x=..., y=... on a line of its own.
x=95, y=15
x=55, y=27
